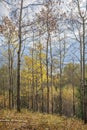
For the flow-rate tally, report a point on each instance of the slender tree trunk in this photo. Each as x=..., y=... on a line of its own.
x=12, y=84
x=36, y=83
x=51, y=69
x=33, y=74
x=84, y=82
x=36, y=106
x=47, y=67
x=4, y=103
x=19, y=60
x=47, y=74
x=73, y=90
x=9, y=66
x=60, y=75
x=29, y=84
x=41, y=75
x=73, y=100
x=81, y=71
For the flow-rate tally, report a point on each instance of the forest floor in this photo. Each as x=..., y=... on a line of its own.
x=11, y=120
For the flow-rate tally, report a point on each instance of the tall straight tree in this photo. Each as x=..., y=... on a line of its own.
x=41, y=72
x=51, y=74
x=33, y=77
x=19, y=59
x=79, y=20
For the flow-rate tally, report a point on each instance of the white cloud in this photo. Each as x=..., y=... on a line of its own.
x=4, y=9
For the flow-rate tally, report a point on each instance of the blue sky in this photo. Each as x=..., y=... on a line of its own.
x=4, y=9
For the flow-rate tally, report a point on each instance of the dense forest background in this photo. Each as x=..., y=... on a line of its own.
x=43, y=53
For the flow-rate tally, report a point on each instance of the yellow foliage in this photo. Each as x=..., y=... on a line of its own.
x=68, y=92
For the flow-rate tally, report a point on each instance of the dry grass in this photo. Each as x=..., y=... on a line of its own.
x=11, y=120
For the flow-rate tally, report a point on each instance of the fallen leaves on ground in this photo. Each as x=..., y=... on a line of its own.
x=11, y=120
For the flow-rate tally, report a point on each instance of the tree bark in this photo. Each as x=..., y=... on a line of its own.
x=19, y=60
x=51, y=69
